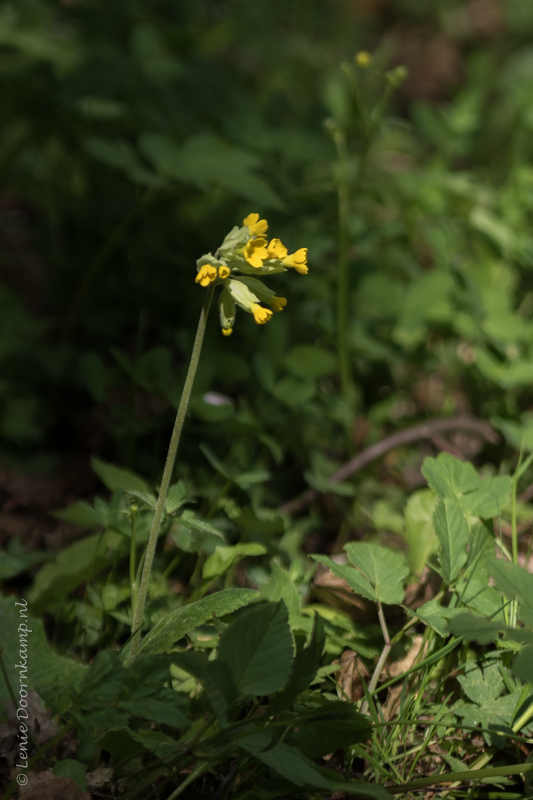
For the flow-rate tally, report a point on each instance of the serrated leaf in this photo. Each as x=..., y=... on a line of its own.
x=488, y=499
x=448, y=476
x=452, y=531
x=176, y=497
x=224, y=557
x=215, y=677
x=332, y=727
x=180, y=622
x=357, y=582
x=117, y=478
x=383, y=568
x=198, y=525
x=482, y=685
x=146, y=498
x=304, y=667
x=258, y=649
x=54, y=676
x=281, y=587
x=515, y=581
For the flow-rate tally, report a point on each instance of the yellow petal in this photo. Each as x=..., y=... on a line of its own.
x=255, y=225
x=227, y=331
x=276, y=249
x=261, y=315
x=278, y=303
x=298, y=261
x=255, y=252
x=223, y=271
x=206, y=275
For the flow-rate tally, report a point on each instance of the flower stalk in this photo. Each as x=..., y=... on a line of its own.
x=167, y=473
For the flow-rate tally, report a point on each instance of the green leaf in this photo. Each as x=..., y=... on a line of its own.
x=15, y=560
x=52, y=675
x=481, y=685
x=489, y=499
x=419, y=532
x=449, y=477
x=117, y=479
x=281, y=587
x=523, y=665
x=286, y=761
x=304, y=668
x=72, y=566
x=514, y=581
x=293, y=392
x=70, y=768
x=215, y=677
x=258, y=649
x=357, y=582
x=165, y=711
x=176, y=497
x=225, y=557
x=180, y=622
x=383, y=568
x=198, y=526
x=332, y=727
x=452, y=531
x=306, y=361
x=82, y=514
x=436, y=616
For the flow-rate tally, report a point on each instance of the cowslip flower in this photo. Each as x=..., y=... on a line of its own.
x=256, y=226
x=298, y=261
x=255, y=252
x=243, y=255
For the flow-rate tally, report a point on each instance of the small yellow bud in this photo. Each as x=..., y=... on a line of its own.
x=298, y=261
x=223, y=271
x=278, y=303
x=261, y=315
x=276, y=249
x=227, y=331
x=363, y=59
x=255, y=252
x=255, y=225
x=206, y=275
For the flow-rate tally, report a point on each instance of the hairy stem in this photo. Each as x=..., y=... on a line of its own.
x=167, y=473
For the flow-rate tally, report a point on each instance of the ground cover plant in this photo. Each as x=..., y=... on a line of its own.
x=329, y=591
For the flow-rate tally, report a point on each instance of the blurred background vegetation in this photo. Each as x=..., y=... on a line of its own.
x=134, y=135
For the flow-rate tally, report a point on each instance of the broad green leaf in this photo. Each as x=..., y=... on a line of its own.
x=123, y=743
x=332, y=727
x=489, y=499
x=383, y=568
x=480, y=549
x=180, y=622
x=225, y=557
x=484, y=684
x=475, y=593
x=52, y=675
x=165, y=709
x=293, y=391
x=304, y=667
x=72, y=566
x=14, y=559
x=448, y=476
x=118, y=479
x=70, y=768
x=306, y=361
x=215, y=677
x=436, y=616
x=258, y=649
x=281, y=587
x=154, y=741
x=475, y=628
x=286, y=761
x=419, y=531
x=82, y=514
x=515, y=581
x=523, y=664
x=357, y=582
x=452, y=531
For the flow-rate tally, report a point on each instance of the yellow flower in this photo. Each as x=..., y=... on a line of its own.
x=363, y=58
x=227, y=331
x=298, y=260
x=206, y=275
x=223, y=272
x=261, y=315
x=276, y=249
x=278, y=303
x=255, y=252
x=255, y=225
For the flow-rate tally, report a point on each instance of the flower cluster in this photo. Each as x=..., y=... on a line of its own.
x=244, y=254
